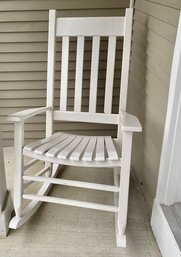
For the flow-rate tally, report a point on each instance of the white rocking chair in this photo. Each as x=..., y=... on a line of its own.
x=70, y=149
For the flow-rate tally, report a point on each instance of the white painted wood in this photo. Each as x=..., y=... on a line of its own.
x=60, y=146
x=170, y=162
x=33, y=206
x=87, y=117
x=80, y=163
x=88, y=154
x=77, y=150
x=41, y=172
x=124, y=182
x=45, y=147
x=64, y=73
x=70, y=147
x=3, y=185
x=37, y=143
x=69, y=202
x=94, y=74
x=50, y=71
x=129, y=122
x=79, y=74
x=5, y=215
x=126, y=58
x=18, y=167
x=110, y=75
x=74, y=183
x=6, y=205
x=131, y=4
x=75, y=156
x=162, y=232
x=111, y=150
x=90, y=26
x=100, y=151
x=26, y=114
x=173, y=221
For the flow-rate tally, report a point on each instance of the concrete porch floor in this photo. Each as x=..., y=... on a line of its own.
x=64, y=231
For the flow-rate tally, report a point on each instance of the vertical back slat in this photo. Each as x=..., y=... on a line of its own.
x=64, y=73
x=50, y=71
x=110, y=74
x=94, y=74
x=79, y=74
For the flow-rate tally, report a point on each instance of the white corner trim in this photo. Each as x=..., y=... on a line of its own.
x=163, y=234
x=169, y=170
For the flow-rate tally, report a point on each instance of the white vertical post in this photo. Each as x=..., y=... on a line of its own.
x=124, y=181
x=131, y=3
x=94, y=74
x=6, y=205
x=170, y=162
x=64, y=73
x=50, y=71
x=18, y=166
x=3, y=186
x=126, y=59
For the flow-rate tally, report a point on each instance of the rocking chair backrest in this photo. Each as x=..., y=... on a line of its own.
x=95, y=27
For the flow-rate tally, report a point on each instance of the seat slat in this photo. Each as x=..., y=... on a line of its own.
x=75, y=156
x=111, y=150
x=88, y=154
x=45, y=147
x=64, y=73
x=69, y=148
x=100, y=153
x=94, y=74
x=35, y=144
x=56, y=149
x=110, y=75
x=79, y=74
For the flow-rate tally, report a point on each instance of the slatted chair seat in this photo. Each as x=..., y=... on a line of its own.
x=63, y=148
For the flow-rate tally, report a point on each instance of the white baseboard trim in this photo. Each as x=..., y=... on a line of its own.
x=163, y=234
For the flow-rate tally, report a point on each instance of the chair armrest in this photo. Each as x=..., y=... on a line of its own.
x=130, y=122
x=26, y=114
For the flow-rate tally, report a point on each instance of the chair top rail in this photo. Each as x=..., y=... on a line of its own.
x=90, y=26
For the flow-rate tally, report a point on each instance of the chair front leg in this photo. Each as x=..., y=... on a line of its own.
x=124, y=182
x=18, y=167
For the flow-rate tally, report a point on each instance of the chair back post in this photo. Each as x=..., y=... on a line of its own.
x=125, y=66
x=51, y=71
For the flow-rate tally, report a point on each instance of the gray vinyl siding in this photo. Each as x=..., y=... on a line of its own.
x=23, y=56
x=154, y=33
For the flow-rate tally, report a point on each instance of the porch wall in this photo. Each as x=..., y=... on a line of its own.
x=23, y=51
x=154, y=33
x=23, y=55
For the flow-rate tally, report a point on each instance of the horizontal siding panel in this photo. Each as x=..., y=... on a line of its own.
x=41, y=94
x=161, y=12
x=42, y=15
x=162, y=60
x=42, y=66
x=19, y=76
x=64, y=5
x=35, y=85
x=173, y=3
x=23, y=26
x=30, y=103
x=158, y=26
